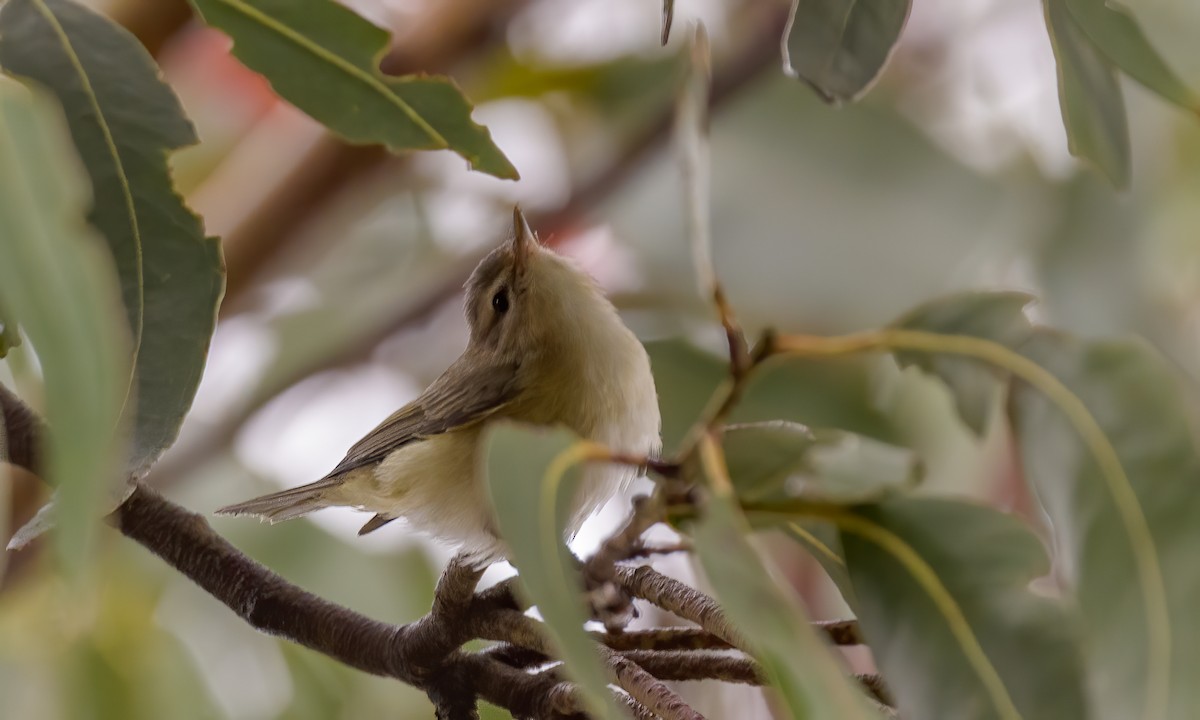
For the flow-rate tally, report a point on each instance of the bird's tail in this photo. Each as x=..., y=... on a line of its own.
x=287, y=504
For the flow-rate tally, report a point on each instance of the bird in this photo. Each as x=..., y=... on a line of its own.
x=546, y=348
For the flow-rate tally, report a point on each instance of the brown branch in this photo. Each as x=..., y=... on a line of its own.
x=669, y=638
x=679, y=665
x=411, y=653
x=24, y=432
x=648, y=691
x=686, y=602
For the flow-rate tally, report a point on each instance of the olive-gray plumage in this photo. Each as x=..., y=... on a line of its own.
x=546, y=347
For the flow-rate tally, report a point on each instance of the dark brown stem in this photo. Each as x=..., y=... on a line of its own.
x=679, y=665
x=686, y=602
x=648, y=691
x=410, y=653
x=670, y=638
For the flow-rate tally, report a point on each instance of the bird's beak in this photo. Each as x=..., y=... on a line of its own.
x=524, y=242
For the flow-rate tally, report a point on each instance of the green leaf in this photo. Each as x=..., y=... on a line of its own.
x=1113, y=30
x=819, y=393
x=686, y=378
x=998, y=316
x=942, y=594
x=324, y=59
x=57, y=280
x=125, y=121
x=800, y=666
x=1093, y=108
x=824, y=544
x=536, y=472
x=761, y=457
x=839, y=47
x=1124, y=520
x=771, y=462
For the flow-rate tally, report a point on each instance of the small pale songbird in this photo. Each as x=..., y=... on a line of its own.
x=547, y=348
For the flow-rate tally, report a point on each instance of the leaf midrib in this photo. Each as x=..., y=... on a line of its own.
x=123, y=179
x=371, y=80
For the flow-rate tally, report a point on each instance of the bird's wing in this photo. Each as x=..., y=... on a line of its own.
x=461, y=396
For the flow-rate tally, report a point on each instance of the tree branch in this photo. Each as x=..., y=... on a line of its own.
x=411, y=653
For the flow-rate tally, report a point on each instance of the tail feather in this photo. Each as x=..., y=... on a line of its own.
x=286, y=504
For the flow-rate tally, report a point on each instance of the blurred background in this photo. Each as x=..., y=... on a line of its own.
x=345, y=265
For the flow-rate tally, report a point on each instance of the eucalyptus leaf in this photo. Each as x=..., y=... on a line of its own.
x=125, y=120
x=839, y=47
x=942, y=594
x=686, y=378
x=324, y=59
x=1089, y=94
x=58, y=281
x=800, y=666
x=1125, y=524
x=820, y=393
x=1113, y=30
x=772, y=462
x=998, y=316
x=761, y=457
x=526, y=476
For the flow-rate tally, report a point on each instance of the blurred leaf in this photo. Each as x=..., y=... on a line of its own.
x=824, y=544
x=324, y=59
x=839, y=47
x=850, y=468
x=819, y=393
x=57, y=279
x=1124, y=519
x=762, y=456
x=125, y=120
x=686, y=378
x=998, y=316
x=1093, y=109
x=802, y=669
x=771, y=462
x=532, y=476
x=1113, y=30
x=942, y=592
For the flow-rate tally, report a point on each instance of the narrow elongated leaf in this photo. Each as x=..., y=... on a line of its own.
x=324, y=59
x=1112, y=28
x=999, y=316
x=1093, y=108
x=125, y=120
x=803, y=670
x=839, y=47
x=57, y=280
x=942, y=593
x=1125, y=522
x=532, y=479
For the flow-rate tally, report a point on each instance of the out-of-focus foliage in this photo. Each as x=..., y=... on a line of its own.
x=943, y=594
x=839, y=47
x=533, y=477
x=125, y=121
x=774, y=625
x=59, y=284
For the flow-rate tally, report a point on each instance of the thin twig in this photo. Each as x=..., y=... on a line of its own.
x=686, y=602
x=669, y=638
x=680, y=665
x=646, y=689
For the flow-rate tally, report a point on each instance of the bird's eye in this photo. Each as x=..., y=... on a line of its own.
x=500, y=301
